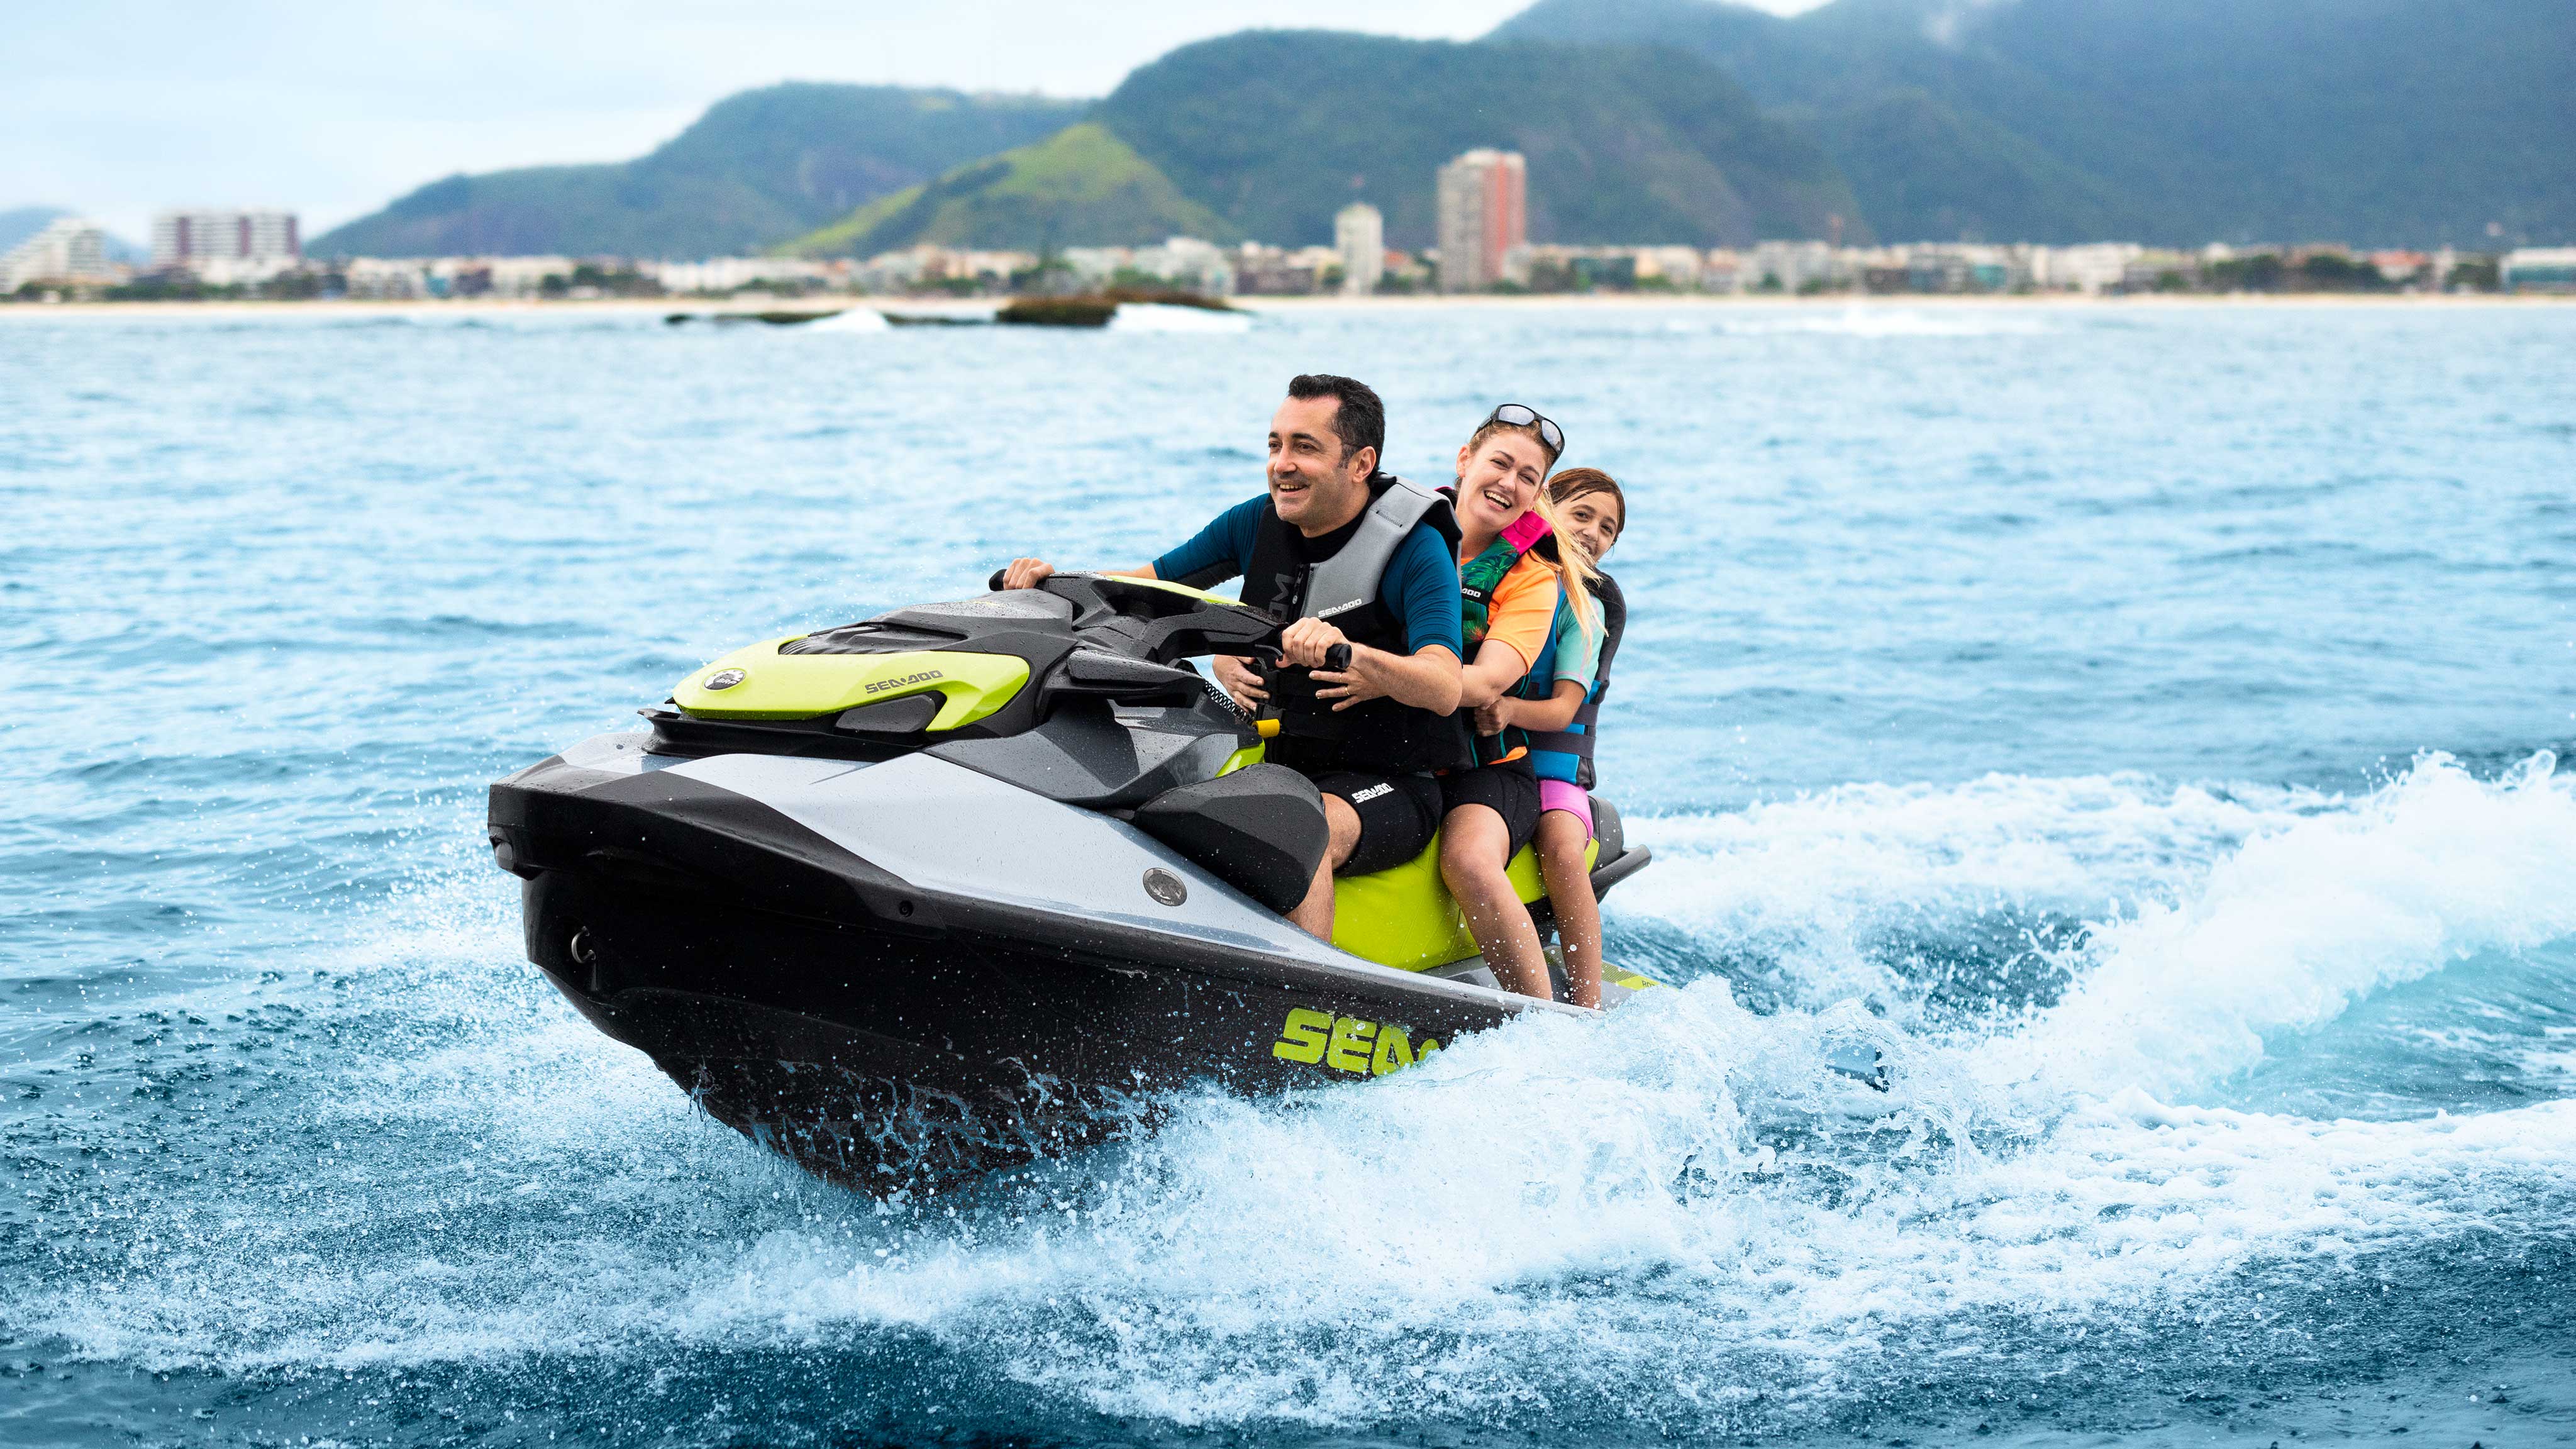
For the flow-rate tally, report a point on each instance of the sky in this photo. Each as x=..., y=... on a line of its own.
x=119, y=109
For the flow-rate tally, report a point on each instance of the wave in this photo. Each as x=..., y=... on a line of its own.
x=1163, y=317
x=2298, y=924
x=856, y=319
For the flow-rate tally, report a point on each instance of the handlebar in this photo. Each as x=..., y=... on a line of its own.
x=1337, y=658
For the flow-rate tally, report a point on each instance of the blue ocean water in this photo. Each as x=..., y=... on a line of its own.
x=2141, y=721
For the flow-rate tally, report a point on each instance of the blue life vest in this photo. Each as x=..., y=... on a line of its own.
x=1566, y=754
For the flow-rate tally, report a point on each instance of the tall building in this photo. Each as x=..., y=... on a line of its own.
x=69, y=249
x=1359, y=234
x=222, y=234
x=1484, y=212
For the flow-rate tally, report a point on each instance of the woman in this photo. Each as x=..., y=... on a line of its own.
x=1511, y=577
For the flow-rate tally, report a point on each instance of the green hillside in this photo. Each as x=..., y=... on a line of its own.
x=757, y=167
x=2180, y=121
x=1079, y=187
x=1277, y=130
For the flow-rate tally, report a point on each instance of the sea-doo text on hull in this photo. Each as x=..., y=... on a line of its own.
x=963, y=884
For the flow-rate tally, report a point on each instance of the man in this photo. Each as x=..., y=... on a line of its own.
x=1353, y=557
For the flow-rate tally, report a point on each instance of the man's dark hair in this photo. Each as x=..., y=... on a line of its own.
x=1360, y=421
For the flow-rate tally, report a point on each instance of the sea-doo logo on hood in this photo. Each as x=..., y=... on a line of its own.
x=726, y=678
x=1349, y=1044
x=924, y=677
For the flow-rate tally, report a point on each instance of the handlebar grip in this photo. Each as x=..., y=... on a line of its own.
x=1338, y=658
x=995, y=582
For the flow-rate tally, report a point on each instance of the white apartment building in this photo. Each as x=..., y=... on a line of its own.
x=1186, y=261
x=1359, y=235
x=1724, y=270
x=2092, y=268
x=1677, y=266
x=386, y=279
x=68, y=251
x=1790, y=266
x=191, y=238
x=1483, y=216
x=2539, y=269
x=731, y=274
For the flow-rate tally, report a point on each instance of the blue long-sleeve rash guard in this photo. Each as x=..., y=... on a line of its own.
x=1420, y=586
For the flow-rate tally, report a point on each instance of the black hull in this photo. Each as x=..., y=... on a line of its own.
x=882, y=1057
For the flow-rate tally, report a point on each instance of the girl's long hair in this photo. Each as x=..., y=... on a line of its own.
x=1566, y=485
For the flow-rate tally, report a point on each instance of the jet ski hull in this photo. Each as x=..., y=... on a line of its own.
x=824, y=954
x=876, y=1058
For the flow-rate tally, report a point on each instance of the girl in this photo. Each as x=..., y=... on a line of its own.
x=1591, y=512
x=1512, y=580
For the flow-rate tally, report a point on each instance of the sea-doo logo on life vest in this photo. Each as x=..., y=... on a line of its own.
x=1349, y=1044
x=1339, y=609
x=924, y=677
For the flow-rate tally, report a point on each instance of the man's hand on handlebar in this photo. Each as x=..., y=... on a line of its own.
x=1027, y=573
x=1360, y=680
x=1305, y=643
x=1241, y=682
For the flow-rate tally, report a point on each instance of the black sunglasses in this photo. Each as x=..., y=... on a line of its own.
x=1513, y=415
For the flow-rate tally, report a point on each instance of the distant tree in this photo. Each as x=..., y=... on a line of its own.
x=2476, y=274
x=2261, y=272
x=2329, y=272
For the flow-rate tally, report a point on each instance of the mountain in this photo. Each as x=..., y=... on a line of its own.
x=2179, y=121
x=757, y=167
x=1277, y=130
x=1079, y=187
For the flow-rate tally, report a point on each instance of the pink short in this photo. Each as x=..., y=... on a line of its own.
x=1558, y=795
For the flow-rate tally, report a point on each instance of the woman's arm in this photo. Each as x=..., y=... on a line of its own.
x=1497, y=668
x=1546, y=715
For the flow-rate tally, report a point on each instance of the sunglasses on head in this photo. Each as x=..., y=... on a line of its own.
x=1513, y=415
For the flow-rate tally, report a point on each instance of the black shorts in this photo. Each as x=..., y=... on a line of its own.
x=1509, y=790
x=1398, y=816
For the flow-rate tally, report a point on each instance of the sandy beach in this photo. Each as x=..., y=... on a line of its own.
x=972, y=307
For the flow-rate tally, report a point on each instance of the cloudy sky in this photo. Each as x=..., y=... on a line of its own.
x=120, y=108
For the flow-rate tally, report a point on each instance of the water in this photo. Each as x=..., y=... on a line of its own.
x=2140, y=721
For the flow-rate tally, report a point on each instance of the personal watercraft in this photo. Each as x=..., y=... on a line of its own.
x=972, y=882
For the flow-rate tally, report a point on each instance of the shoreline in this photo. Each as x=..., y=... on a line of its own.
x=975, y=306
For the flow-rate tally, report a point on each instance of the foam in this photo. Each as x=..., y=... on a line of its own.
x=1819, y=882
x=1164, y=317
x=1443, y=1237
x=856, y=319
x=2304, y=920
